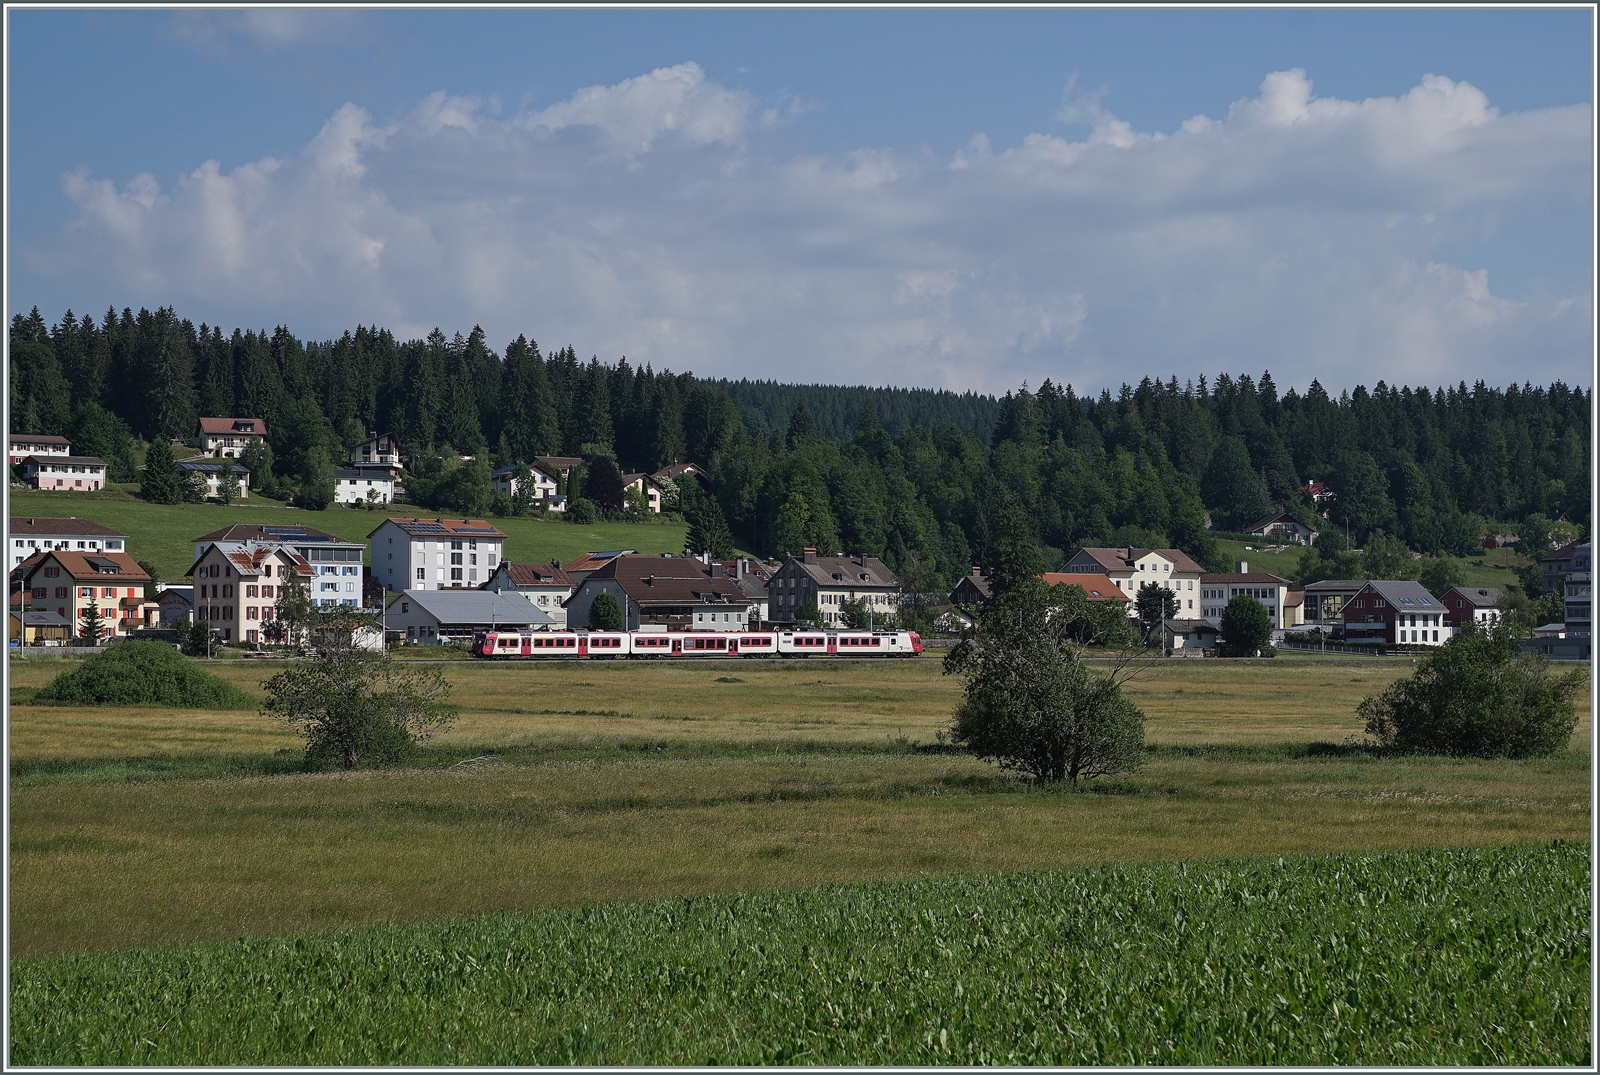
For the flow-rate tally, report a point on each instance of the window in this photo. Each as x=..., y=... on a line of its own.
x=455, y=558
x=455, y=545
x=51, y=572
x=422, y=573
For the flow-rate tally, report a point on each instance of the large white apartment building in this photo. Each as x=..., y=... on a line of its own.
x=29, y=535
x=1132, y=568
x=435, y=554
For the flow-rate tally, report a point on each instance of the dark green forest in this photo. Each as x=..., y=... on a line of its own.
x=932, y=482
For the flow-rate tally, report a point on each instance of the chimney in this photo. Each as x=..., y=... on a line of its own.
x=810, y=555
x=556, y=564
x=977, y=572
x=1241, y=566
x=650, y=580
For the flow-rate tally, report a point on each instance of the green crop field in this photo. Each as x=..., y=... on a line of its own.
x=576, y=789
x=164, y=534
x=1410, y=958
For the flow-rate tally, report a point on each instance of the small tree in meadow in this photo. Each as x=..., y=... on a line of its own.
x=1031, y=705
x=1478, y=696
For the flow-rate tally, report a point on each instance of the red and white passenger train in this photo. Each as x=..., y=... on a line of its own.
x=645, y=644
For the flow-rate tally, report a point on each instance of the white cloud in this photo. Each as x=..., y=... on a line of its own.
x=218, y=34
x=1315, y=236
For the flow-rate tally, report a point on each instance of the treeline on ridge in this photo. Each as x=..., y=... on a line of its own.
x=1145, y=467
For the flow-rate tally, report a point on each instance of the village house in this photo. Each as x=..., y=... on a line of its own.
x=1471, y=604
x=590, y=562
x=972, y=590
x=558, y=466
x=1575, y=590
x=177, y=604
x=751, y=577
x=69, y=583
x=39, y=628
x=363, y=486
x=64, y=473
x=453, y=617
x=1284, y=529
x=830, y=581
x=676, y=592
x=29, y=535
x=545, y=586
x=1395, y=613
x=1095, y=587
x=227, y=438
x=380, y=452
x=1217, y=589
x=236, y=587
x=212, y=473
x=435, y=554
x=1189, y=638
x=1325, y=600
x=541, y=485
x=1131, y=568
x=636, y=484
x=40, y=445
x=336, y=577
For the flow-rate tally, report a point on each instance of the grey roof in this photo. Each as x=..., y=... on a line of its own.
x=463, y=607
x=1405, y=595
x=37, y=618
x=206, y=467
x=377, y=474
x=1335, y=586
x=1191, y=627
x=850, y=569
x=1478, y=596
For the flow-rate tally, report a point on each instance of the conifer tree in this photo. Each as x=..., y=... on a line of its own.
x=159, y=484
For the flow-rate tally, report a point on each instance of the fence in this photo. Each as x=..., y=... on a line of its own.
x=1338, y=647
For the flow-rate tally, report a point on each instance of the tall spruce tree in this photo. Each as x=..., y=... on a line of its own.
x=159, y=484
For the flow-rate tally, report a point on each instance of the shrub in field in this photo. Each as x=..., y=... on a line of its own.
x=357, y=708
x=1477, y=696
x=1031, y=705
x=1246, y=627
x=144, y=673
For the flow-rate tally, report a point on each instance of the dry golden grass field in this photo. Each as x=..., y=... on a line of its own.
x=574, y=783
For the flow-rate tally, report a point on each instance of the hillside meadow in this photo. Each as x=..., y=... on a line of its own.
x=164, y=534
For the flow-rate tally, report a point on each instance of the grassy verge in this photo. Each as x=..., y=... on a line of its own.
x=1458, y=957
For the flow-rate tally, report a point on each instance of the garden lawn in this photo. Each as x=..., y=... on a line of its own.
x=1440, y=957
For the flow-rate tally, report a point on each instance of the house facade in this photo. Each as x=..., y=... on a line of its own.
x=363, y=486
x=212, y=473
x=452, y=617
x=227, y=438
x=236, y=588
x=541, y=485
x=545, y=586
x=69, y=583
x=751, y=577
x=1575, y=590
x=381, y=452
x=1395, y=613
x=30, y=534
x=1471, y=604
x=676, y=592
x=38, y=628
x=829, y=582
x=1189, y=638
x=176, y=603
x=1325, y=600
x=1131, y=568
x=637, y=484
x=1216, y=590
x=64, y=473
x=1283, y=528
x=336, y=575
x=23, y=445
x=435, y=554
x=972, y=590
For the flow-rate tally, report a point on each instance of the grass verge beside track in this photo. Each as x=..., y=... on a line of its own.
x=1455, y=957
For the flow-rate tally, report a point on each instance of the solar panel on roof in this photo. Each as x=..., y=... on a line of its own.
x=476, y=530
x=426, y=528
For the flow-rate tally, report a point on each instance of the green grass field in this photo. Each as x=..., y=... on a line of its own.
x=164, y=534
x=578, y=789
x=1408, y=958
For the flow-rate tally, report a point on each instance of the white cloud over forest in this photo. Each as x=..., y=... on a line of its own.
x=656, y=218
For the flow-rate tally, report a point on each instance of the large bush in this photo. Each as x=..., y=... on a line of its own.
x=1031, y=705
x=359, y=709
x=1478, y=696
x=1246, y=627
x=144, y=673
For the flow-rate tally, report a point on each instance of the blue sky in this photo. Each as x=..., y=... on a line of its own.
x=946, y=198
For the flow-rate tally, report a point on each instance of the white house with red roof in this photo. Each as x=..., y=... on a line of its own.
x=546, y=587
x=227, y=438
x=68, y=583
x=1130, y=568
x=1217, y=589
x=435, y=554
x=236, y=588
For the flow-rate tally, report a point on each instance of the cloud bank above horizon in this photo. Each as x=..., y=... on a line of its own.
x=660, y=218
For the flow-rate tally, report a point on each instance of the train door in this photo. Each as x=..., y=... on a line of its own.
x=733, y=646
x=833, y=645
x=583, y=645
x=677, y=645
x=527, y=645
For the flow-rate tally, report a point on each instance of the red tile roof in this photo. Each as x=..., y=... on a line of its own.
x=1123, y=558
x=1098, y=587
x=80, y=565
x=470, y=529
x=537, y=575
x=225, y=427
